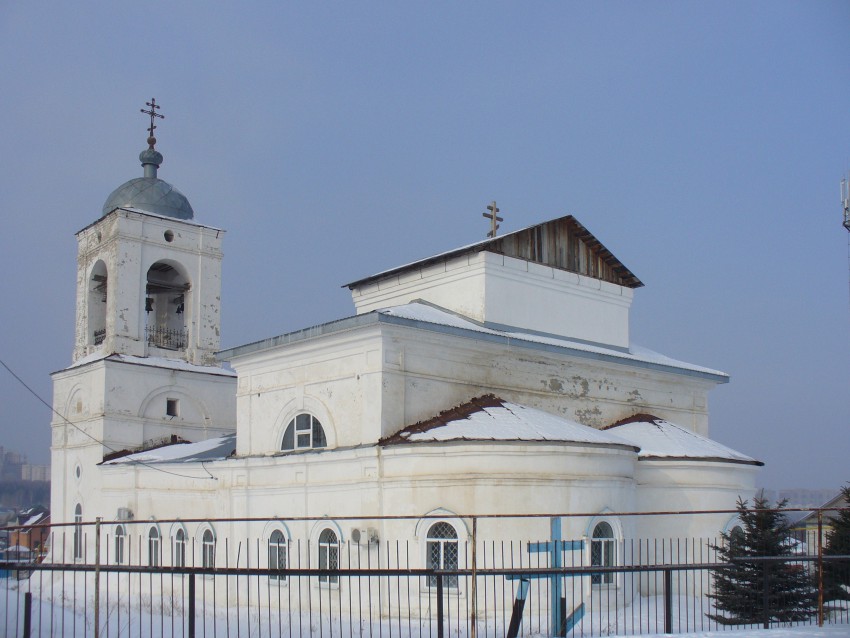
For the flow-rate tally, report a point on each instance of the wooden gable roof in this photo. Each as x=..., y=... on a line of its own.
x=561, y=243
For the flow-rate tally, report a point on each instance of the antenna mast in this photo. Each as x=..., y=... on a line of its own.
x=845, y=201
x=845, y=205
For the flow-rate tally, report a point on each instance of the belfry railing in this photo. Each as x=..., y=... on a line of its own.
x=166, y=338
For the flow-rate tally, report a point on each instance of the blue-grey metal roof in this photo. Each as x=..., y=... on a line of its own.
x=150, y=194
x=636, y=357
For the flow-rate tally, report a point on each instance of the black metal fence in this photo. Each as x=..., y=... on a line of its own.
x=127, y=582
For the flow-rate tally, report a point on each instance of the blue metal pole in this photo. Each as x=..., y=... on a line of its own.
x=557, y=581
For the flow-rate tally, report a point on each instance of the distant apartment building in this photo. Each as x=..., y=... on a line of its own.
x=14, y=467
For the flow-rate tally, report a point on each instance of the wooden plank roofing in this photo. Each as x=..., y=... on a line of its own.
x=561, y=243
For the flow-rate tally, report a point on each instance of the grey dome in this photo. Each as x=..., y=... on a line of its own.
x=150, y=194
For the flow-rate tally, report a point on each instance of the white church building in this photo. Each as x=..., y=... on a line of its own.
x=498, y=378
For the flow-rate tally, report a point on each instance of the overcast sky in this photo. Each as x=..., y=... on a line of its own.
x=702, y=143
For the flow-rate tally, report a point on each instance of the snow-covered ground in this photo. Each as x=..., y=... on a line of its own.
x=138, y=616
x=831, y=631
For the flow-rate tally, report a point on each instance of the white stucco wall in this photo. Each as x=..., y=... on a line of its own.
x=123, y=405
x=369, y=382
x=489, y=287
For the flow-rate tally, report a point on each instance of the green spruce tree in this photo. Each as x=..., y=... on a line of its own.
x=754, y=592
x=836, y=573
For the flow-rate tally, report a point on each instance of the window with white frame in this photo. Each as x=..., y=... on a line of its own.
x=179, y=550
x=441, y=547
x=153, y=547
x=207, y=549
x=328, y=555
x=120, y=541
x=304, y=432
x=78, y=532
x=277, y=554
x=603, y=553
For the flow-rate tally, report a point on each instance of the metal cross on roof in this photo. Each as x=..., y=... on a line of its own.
x=153, y=107
x=494, y=218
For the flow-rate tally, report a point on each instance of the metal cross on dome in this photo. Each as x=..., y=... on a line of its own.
x=152, y=112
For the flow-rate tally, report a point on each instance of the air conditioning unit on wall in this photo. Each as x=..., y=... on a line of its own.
x=360, y=536
x=124, y=514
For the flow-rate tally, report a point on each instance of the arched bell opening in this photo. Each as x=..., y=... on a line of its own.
x=167, y=306
x=96, y=311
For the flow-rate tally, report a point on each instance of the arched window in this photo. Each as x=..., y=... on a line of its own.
x=97, y=304
x=120, y=539
x=304, y=432
x=166, y=295
x=603, y=552
x=328, y=555
x=442, y=552
x=178, y=556
x=277, y=554
x=78, y=532
x=208, y=549
x=153, y=547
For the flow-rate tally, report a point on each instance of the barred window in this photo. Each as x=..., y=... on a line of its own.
x=153, y=547
x=328, y=555
x=120, y=539
x=208, y=549
x=179, y=552
x=442, y=552
x=277, y=554
x=603, y=553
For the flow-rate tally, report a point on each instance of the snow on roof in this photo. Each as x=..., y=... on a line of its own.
x=210, y=450
x=419, y=311
x=660, y=439
x=154, y=362
x=488, y=418
x=35, y=518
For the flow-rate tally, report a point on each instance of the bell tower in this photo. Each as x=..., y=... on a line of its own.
x=148, y=275
x=143, y=369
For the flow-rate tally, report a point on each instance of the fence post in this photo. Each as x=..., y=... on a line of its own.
x=439, y=605
x=97, y=522
x=473, y=630
x=820, y=568
x=766, y=596
x=27, y=614
x=668, y=601
x=192, y=605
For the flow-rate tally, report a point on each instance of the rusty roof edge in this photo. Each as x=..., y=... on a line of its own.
x=456, y=413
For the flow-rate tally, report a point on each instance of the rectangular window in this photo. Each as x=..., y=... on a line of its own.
x=602, y=552
x=277, y=555
x=180, y=549
x=208, y=550
x=153, y=549
x=172, y=407
x=329, y=559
